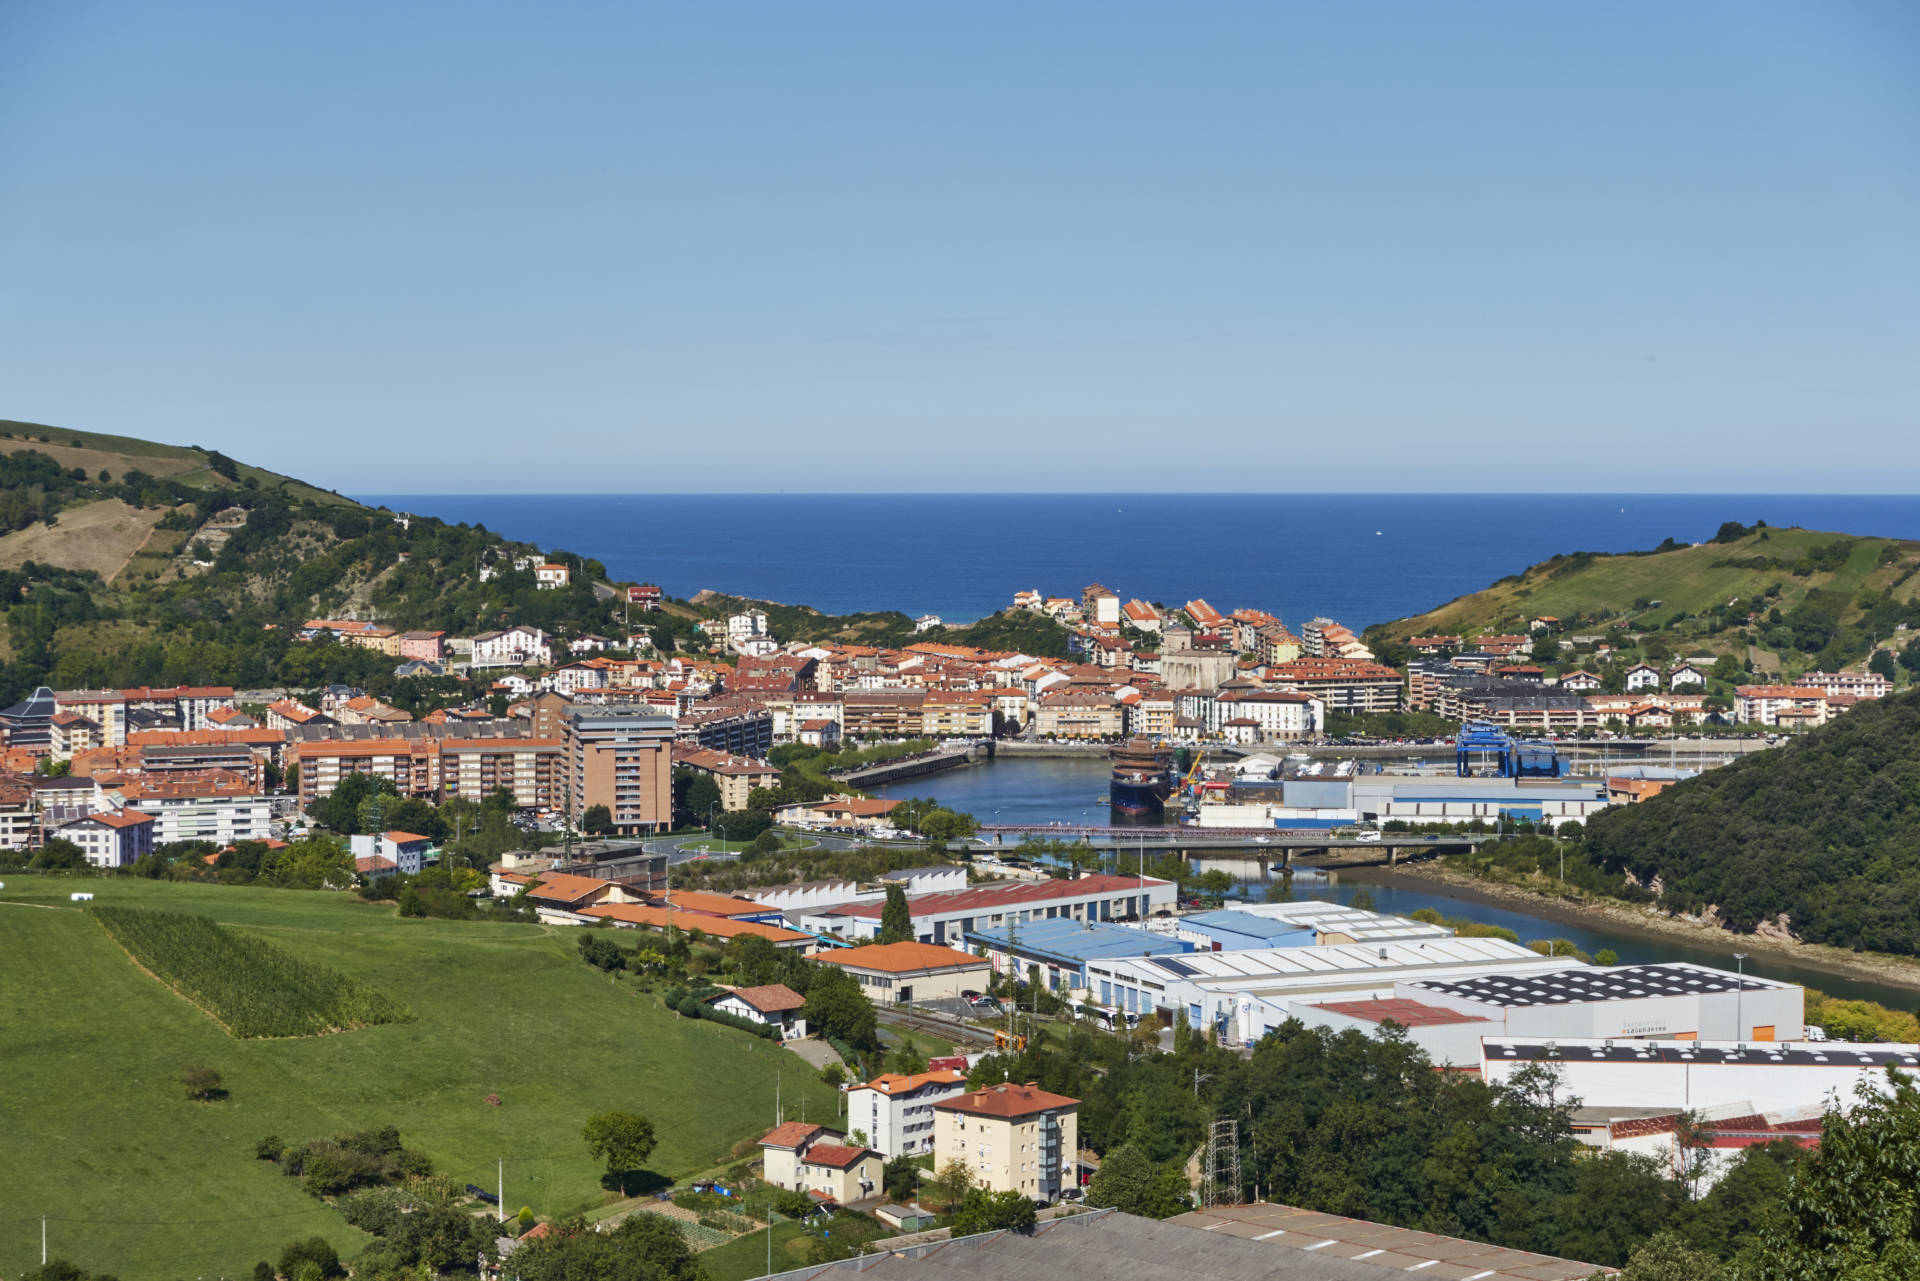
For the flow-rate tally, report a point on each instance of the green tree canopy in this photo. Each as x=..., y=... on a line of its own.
x=896, y=918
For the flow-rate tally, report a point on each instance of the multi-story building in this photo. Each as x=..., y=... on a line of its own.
x=512, y=647
x=1854, y=684
x=881, y=713
x=645, y=595
x=622, y=758
x=218, y=807
x=532, y=769
x=1278, y=715
x=402, y=762
x=732, y=728
x=963, y=713
x=1014, y=1138
x=1764, y=704
x=1069, y=713
x=736, y=776
x=1342, y=685
x=1100, y=606
x=551, y=577
x=813, y=1159
x=1139, y=614
x=426, y=647
x=895, y=1111
x=19, y=816
x=70, y=732
x=111, y=838
x=1151, y=715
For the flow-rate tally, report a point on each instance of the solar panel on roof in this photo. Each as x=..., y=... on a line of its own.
x=1181, y=968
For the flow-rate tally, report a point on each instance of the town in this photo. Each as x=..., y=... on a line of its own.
x=663, y=799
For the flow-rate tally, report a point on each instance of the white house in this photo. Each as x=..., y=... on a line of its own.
x=1685, y=674
x=551, y=577
x=513, y=647
x=895, y=1112
x=773, y=1003
x=575, y=677
x=407, y=851
x=111, y=838
x=587, y=644
x=1580, y=682
x=1643, y=676
x=927, y=622
x=750, y=625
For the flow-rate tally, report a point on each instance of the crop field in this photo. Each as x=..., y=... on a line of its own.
x=512, y=1044
x=248, y=985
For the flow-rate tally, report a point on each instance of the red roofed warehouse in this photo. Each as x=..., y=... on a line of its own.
x=901, y=972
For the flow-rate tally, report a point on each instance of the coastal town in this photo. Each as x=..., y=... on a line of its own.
x=598, y=724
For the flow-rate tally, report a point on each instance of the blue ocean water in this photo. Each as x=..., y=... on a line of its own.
x=1360, y=558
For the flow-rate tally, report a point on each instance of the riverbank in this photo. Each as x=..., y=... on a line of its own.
x=1899, y=971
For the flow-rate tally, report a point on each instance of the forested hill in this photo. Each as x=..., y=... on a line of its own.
x=125, y=562
x=1776, y=600
x=1825, y=830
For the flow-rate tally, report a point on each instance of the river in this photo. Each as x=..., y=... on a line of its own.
x=1072, y=791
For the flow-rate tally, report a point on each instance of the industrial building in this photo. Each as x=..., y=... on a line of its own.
x=947, y=919
x=1245, y=994
x=1310, y=801
x=1701, y=1075
x=1311, y=922
x=1676, y=1001
x=1062, y=948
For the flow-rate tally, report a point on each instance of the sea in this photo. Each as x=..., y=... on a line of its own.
x=1357, y=558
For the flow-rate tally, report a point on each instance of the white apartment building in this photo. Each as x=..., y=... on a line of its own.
x=1763, y=704
x=1279, y=715
x=217, y=810
x=111, y=838
x=895, y=1112
x=1857, y=684
x=514, y=647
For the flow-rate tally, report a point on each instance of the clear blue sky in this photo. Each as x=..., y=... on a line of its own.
x=624, y=247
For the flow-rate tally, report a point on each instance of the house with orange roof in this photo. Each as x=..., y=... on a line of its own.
x=407, y=851
x=774, y=1004
x=815, y=1160
x=551, y=577
x=895, y=1111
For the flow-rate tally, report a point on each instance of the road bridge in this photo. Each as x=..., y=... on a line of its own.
x=1279, y=846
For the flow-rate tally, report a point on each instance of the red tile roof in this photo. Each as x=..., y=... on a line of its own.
x=768, y=998
x=1006, y=1101
x=992, y=896
x=832, y=1154
x=788, y=1134
x=902, y=958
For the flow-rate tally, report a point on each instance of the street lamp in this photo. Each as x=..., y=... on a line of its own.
x=1739, y=996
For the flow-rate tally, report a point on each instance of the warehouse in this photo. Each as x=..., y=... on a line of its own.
x=1337, y=923
x=900, y=973
x=1676, y=1001
x=949, y=918
x=1062, y=948
x=1245, y=994
x=1699, y=1076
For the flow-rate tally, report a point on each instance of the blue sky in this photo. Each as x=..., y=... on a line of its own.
x=629, y=247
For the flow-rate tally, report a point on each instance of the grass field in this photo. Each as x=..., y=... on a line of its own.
x=139, y=1181
x=746, y=1257
x=1683, y=580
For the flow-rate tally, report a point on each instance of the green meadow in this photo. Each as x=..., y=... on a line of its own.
x=138, y=1180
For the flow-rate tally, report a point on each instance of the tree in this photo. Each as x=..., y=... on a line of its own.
x=984, y=1211
x=1667, y=1257
x=839, y=1010
x=645, y=1247
x=311, y=1257
x=896, y=918
x=58, y=854
x=1214, y=883
x=622, y=1139
x=900, y=1177
x=1362, y=900
x=953, y=1180
x=1853, y=1207
x=1881, y=664
x=597, y=821
x=768, y=842
x=201, y=1083
x=1128, y=1181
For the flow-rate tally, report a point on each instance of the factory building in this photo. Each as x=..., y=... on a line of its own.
x=1245, y=994
x=947, y=919
x=1702, y=1075
x=1062, y=948
x=1675, y=1001
x=1323, y=923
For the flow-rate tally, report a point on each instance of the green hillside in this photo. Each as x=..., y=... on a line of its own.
x=124, y=562
x=1824, y=831
x=1777, y=600
x=138, y=1180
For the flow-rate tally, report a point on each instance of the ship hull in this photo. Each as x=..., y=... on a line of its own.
x=1138, y=799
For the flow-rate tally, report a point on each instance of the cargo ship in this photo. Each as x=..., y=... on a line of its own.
x=1142, y=780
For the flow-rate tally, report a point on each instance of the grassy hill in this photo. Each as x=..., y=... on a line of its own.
x=1786, y=599
x=139, y=1181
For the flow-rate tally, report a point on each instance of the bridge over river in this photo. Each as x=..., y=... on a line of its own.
x=1281, y=847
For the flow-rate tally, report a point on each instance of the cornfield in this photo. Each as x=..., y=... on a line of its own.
x=250, y=986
